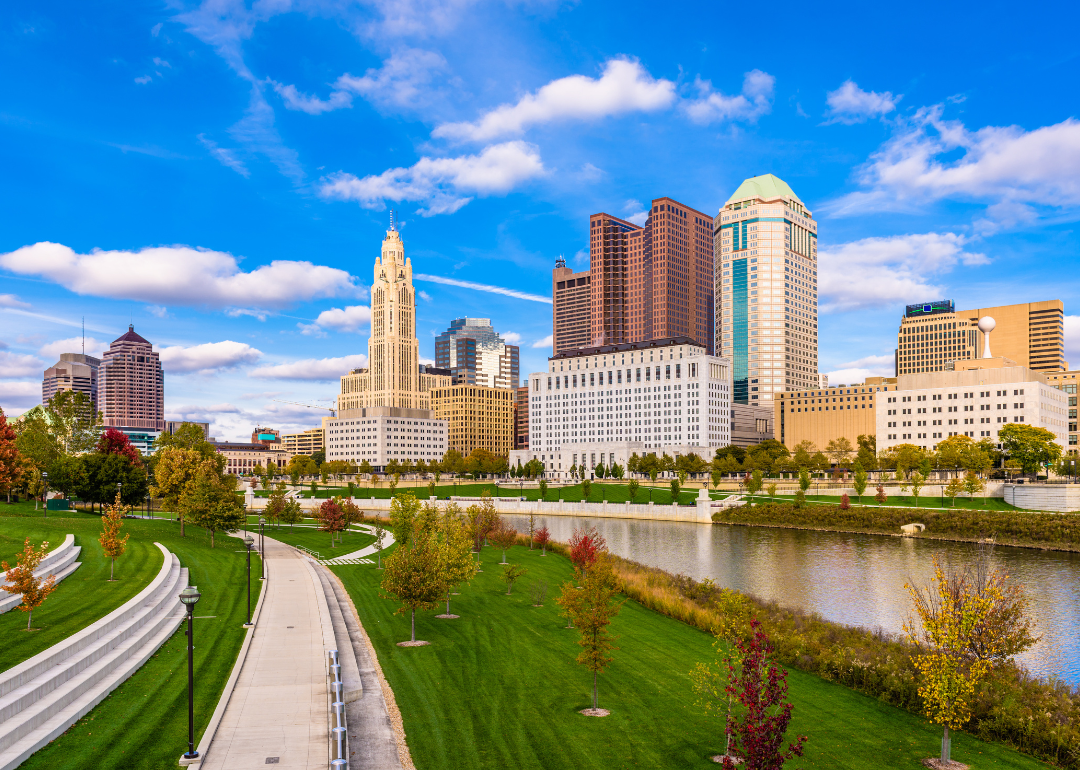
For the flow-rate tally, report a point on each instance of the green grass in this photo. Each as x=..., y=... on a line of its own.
x=143, y=723
x=84, y=596
x=904, y=501
x=499, y=688
x=320, y=541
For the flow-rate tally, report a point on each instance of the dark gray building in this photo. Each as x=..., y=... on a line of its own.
x=475, y=354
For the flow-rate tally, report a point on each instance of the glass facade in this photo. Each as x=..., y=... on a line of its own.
x=740, y=365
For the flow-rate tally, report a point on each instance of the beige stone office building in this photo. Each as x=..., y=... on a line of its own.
x=476, y=417
x=934, y=335
x=822, y=415
x=1067, y=382
x=307, y=443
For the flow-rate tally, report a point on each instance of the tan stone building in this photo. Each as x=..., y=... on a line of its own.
x=307, y=443
x=1067, y=381
x=477, y=417
x=934, y=335
x=822, y=415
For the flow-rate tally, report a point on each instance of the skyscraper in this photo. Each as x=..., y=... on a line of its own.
x=571, y=303
x=475, y=354
x=131, y=389
x=766, y=290
x=74, y=371
x=653, y=281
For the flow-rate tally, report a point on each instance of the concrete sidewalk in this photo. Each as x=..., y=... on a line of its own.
x=279, y=707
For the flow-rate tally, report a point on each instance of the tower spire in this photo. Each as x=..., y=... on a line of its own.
x=391, y=219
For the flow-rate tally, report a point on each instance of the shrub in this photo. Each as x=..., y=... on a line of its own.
x=845, y=502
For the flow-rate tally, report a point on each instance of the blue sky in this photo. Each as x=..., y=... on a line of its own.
x=221, y=174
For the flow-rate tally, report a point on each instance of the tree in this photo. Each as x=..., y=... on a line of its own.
x=917, y=482
x=586, y=544
x=394, y=479
x=675, y=486
x=187, y=436
x=34, y=590
x=210, y=502
x=881, y=497
x=617, y=470
x=65, y=426
x=973, y=484
x=760, y=689
x=591, y=609
x=404, y=510
x=456, y=564
x=350, y=513
x=35, y=485
x=111, y=542
x=839, y=450
x=503, y=535
x=104, y=471
x=380, y=536
x=1031, y=447
x=902, y=457
x=532, y=528
x=11, y=461
x=292, y=513
x=754, y=484
x=113, y=442
x=331, y=518
x=845, y=502
x=175, y=469
x=543, y=537
x=586, y=489
x=413, y=575
x=867, y=455
x=804, y=480
x=543, y=489
x=859, y=483
x=803, y=454
x=511, y=574
x=633, y=487
x=953, y=488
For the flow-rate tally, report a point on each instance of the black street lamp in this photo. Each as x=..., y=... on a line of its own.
x=149, y=483
x=189, y=596
x=118, y=485
x=262, y=547
x=248, y=542
x=45, y=481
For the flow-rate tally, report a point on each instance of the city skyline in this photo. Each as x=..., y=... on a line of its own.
x=229, y=170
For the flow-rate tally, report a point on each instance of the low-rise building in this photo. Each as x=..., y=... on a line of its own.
x=751, y=424
x=379, y=434
x=1067, y=381
x=307, y=443
x=241, y=458
x=823, y=415
x=477, y=417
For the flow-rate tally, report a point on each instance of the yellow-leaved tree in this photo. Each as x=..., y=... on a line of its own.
x=111, y=543
x=21, y=579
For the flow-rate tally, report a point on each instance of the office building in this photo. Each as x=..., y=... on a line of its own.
x=521, y=417
x=381, y=434
x=751, y=424
x=934, y=335
x=475, y=354
x=616, y=400
x=171, y=426
x=394, y=377
x=571, y=308
x=242, y=458
x=766, y=290
x=652, y=281
x=307, y=443
x=265, y=436
x=131, y=390
x=1066, y=382
x=822, y=415
x=476, y=418
x=75, y=372
x=975, y=399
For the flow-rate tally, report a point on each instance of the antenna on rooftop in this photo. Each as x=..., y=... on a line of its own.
x=84, y=335
x=391, y=219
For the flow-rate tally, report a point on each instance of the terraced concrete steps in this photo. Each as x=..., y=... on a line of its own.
x=59, y=562
x=42, y=697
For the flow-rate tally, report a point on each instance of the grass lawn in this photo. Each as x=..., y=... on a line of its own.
x=612, y=492
x=903, y=501
x=143, y=723
x=320, y=541
x=499, y=688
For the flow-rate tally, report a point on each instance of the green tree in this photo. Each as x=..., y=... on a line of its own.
x=754, y=484
x=543, y=489
x=973, y=484
x=803, y=456
x=675, y=487
x=456, y=565
x=209, y=501
x=633, y=487
x=867, y=455
x=953, y=488
x=511, y=574
x=104, y=471
x=839, y=450
x=917, y=482
x=1033, y=448
x=804, y=480
x=590, y=610
x=617, y=471
x=414, y=575
x=292, y=513
x=859, y=483
x=65, y=426
x=404, y=510
x=187, y=436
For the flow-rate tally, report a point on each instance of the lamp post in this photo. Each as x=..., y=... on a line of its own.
x=262, y=547
x=45, y=481
x=149, y=483
x=248, y=542
x=189, y=596
x=118, y=485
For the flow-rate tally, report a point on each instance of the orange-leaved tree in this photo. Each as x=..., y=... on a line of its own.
x=21, y=579
x=591, y=608
x=111, y=543
x=503, y=535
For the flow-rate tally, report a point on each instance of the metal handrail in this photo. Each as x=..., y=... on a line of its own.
x=339, y=733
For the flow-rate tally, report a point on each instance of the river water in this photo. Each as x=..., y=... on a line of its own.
x=852, y=579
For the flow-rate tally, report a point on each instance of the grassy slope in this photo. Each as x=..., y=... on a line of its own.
x=83, y=596
x=600, y=491
x=499, y=688
x=143, y=723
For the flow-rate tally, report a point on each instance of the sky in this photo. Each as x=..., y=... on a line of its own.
x=221, y=174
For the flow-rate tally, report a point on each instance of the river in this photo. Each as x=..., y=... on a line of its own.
x=852, y=579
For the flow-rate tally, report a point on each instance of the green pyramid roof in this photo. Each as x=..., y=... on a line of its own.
x=766, y=187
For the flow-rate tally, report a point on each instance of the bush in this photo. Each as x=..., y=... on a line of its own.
x=845, y=502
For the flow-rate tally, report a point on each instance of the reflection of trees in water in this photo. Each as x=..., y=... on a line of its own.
x=852, y=579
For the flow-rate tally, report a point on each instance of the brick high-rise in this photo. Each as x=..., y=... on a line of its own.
x=571, y=298
x=131, y=385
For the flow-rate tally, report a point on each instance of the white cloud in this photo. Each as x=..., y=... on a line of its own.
x=482, y=287
x=157, y=311
x=143, y=79
x=1072, y=339
x=512, y=338
x=161, y=62
x=544, y=343
x=312, y=105
x=424, y=296
x=94, y=347
x=348, y=319
x=312, y=368
x=178, y=275
x=13, y=365
x=10, y=300
x=930, y=158
x=16, y=397
x=442, y=184
x=873, y=272
x=855, y=372
x=713, y=106
x=850, y=104
x=624, y=86
x=156, y=29
x=225, y=157
x=208, y=357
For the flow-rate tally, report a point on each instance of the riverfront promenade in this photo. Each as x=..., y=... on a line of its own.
x=279, y=707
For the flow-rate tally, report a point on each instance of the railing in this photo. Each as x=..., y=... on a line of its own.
x=313, y=554
x=339, y=733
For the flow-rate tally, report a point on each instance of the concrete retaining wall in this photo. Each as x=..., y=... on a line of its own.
x=1044, y=497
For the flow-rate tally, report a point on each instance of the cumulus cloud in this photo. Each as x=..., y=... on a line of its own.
x=712, y=106
x=873, y=272
x=13, y=365
x=512, y=338
x=444, y=185
x=348, y=319
x=857, y=371
x=10, y=300
x=178, y=275
x=312, y=368
x=930, y=158
x=16, y=397
x=94, y=347
x=312, y=105
x=482, y=287
x=208, y=357
x=624, y=86
x=850, y=104
x=544, y=343
x=424, y=296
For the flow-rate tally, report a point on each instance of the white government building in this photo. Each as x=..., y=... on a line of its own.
x=606, y=403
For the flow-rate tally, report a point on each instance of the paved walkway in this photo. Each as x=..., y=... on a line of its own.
x=279, y=706
x=360, y=557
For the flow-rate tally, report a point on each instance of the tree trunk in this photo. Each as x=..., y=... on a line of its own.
x=448, y=601
x=29, y=617
x=594, y=690
x=414, y=626
x=112, y=565
x=504, y=557
x=181, y=517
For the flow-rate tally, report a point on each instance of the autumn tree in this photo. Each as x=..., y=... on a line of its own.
x=111, y=543
x=275, y=506
x=209, y=501
x=175, y=472
x=291, y=513
x=953, y=488
x=380, y=536
x=881, y=497
x=413, y=576
x=114, y=442
x=35, y=590
x=543, y=537
x=973, y=484
x=586, y=544
x=403, y=512
x=456, y=565
x=511, y=574
x=351, y=512
x=331, y=518
x=503, y=535
x=591, y=609
x=11, y=462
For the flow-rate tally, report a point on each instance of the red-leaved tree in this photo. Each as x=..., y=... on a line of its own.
x=760, y=688
x=845, y=502
x=113, y=442
x=585, y=544
x=542, y=538
x=331, y=519
x=11, y=462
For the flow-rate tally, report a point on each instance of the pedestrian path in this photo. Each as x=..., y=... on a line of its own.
x=277, y=713
x=359, y=557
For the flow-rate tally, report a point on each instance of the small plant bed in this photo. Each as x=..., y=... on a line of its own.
x=499, y=687
x=1057, y=531
x=143, y=723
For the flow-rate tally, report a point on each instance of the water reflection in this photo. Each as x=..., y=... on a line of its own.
x=853, y=579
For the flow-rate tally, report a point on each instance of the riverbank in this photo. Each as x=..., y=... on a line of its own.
x=1022, y=529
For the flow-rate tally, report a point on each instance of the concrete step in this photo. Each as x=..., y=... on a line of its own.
x=350, y=673
x=57, y=563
